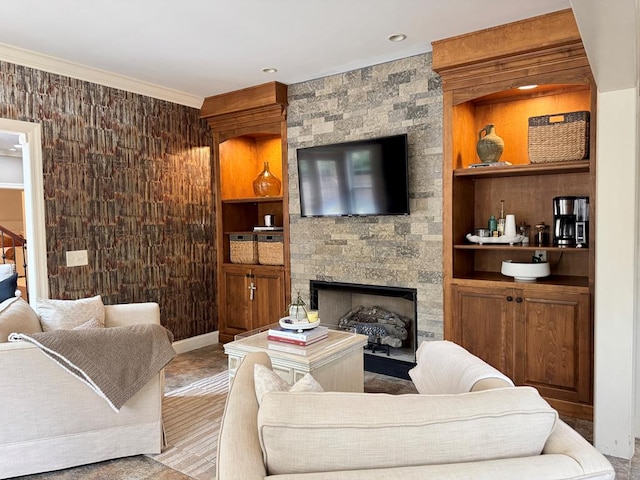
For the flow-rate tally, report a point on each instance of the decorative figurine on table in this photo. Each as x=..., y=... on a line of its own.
x=298, y=318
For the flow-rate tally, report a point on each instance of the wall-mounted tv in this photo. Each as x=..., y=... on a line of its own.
x=365, y=177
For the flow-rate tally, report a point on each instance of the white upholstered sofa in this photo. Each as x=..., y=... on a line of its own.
x=498, y=432
x=50, y=420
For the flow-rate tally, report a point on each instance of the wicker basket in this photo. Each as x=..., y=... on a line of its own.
x=270, y=249
x=561, y=137
x=243, y=248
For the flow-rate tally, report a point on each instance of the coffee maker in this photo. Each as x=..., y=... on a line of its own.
x=571, y=221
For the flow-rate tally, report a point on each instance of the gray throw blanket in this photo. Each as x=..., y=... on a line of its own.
x=115, y=362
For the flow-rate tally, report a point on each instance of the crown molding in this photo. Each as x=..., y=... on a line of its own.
x=58, y=66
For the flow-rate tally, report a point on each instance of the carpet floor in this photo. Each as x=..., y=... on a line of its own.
x=191, y=417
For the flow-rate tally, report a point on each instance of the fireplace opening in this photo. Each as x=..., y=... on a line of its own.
x=387, y=315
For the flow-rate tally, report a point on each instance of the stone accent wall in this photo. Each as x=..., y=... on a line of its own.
x=128, y=178
x=402, y=96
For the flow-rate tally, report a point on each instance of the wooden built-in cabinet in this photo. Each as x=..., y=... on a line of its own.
x=537, y=337
x=253, y=297
x=249, y=129
x=541, y=333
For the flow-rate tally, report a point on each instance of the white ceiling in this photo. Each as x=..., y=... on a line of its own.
x=205, y=47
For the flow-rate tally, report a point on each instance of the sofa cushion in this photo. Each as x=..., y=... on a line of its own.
x=267, y=381
x=8, y=287
x=298, y=432
x=68, y=314
x=16, y=316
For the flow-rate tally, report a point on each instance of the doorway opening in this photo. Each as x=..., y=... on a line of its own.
x=29, y=139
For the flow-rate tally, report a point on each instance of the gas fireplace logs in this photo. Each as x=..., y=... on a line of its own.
x=382, y=326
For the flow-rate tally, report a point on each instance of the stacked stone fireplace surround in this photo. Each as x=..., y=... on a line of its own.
x=402, y=96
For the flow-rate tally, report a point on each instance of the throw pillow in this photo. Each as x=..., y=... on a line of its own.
x=6, y=270
x=266, y=381
x=68, y=314
x=17, y=316
x=8, y=287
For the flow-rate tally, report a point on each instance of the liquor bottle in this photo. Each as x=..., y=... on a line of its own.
x=501, y=220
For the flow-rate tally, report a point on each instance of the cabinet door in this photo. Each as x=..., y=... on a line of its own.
x=235, y=298
x=483, y=319
x=268, y=299
x=553, y=341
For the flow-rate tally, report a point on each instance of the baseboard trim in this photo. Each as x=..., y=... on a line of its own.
x=193, y=343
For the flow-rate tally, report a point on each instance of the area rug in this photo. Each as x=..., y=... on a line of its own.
x=192, y=417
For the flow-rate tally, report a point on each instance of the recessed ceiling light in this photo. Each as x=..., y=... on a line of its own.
x=18, y=146
x=13, y=149
x=527, y=87
x=270, y=70
x=398, y=37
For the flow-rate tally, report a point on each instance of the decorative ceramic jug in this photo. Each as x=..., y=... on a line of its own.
x=490, y=146
x=266, y=184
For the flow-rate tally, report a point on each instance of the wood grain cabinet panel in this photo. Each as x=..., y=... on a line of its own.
x=537, y=337
x=252, y=298
x=485, y=324
x=237, y=307
x=553, y=338
x=269, y=298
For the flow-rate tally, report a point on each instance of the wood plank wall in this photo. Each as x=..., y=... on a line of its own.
x=126, y=177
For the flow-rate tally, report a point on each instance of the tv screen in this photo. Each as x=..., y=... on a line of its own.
x=366, y=177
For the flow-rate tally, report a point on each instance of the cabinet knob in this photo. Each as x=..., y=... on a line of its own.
x=509, y=298
x=519, y=300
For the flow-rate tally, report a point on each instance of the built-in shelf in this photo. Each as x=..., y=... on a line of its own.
x=257, y=232
x=528, y=248
x=564, y=280
x=249, y=131
x=580, y=166
x=253, y=265
x=252, y=200
x=509, y=324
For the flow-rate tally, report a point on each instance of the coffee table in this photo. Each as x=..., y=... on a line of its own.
x=337, y=362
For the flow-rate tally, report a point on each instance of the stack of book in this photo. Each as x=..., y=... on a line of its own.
x=292, y=341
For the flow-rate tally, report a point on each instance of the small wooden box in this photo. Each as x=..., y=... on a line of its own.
x=243, y=248
x=270, y=249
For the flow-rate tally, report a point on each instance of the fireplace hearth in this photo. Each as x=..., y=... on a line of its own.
x=387, y=315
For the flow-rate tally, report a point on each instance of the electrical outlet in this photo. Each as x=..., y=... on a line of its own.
x=541, y=255
x=77, y=258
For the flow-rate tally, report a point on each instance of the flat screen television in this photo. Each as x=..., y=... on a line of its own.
x=365, y=177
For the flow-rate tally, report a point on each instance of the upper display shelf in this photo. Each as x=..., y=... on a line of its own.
x=526, y=126
x=580, y=166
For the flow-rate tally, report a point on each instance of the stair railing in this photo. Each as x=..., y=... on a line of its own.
x=10, y=242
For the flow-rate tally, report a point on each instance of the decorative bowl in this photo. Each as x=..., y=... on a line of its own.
x=525, y=272
x=286, y=322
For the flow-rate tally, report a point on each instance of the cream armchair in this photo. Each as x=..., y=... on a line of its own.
x=50, y=420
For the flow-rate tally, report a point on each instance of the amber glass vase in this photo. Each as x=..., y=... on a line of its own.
x=266, y=184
